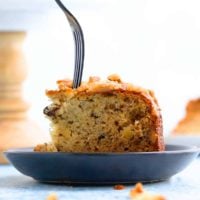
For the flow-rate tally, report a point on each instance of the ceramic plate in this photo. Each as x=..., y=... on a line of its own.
x=192, y=140
x=102, y=168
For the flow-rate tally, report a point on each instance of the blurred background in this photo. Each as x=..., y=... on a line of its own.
x=151, y=43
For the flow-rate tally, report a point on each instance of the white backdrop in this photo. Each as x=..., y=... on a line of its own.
x=151, y=43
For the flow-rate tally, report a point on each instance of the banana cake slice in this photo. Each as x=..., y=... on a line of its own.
x=104, y=116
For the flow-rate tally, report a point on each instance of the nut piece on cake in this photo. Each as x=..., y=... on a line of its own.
x=104, y=116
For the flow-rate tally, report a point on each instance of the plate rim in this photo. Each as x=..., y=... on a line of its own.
x=188, y=149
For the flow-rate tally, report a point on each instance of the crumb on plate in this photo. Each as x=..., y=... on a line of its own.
x=46, y=147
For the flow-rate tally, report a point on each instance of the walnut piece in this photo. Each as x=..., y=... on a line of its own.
x=52, y=196
x=138, y=193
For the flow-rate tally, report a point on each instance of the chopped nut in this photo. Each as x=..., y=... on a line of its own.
x=119, y=187
x=50, y=110
x=138, y=189
x=93, y=79
x=52, y=196
x=64, y=83
x=138, y=193
x=115, y=77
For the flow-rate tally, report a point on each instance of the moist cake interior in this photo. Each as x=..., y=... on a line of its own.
x=114, y=121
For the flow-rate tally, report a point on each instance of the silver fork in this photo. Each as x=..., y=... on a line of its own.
x=79, y=45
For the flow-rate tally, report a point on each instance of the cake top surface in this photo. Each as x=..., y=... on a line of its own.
x=96, y=85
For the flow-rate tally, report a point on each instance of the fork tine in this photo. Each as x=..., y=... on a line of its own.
x=79, y=45
x=76, y=70
x=78, y=59
x=81, y=64
x=80, y=56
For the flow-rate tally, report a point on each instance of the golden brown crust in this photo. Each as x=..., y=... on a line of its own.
x=95, y=85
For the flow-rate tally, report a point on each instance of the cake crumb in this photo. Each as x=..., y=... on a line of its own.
x=119, y=187
x=138, y=193
x=52, y=196
x=115, y=77
x=46, y=147
x=93, y=79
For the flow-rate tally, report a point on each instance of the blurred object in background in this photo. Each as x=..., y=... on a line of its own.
x=16, y=130
x=190, y=124
x=187, y=131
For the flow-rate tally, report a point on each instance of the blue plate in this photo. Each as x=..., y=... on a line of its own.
x=102, y=168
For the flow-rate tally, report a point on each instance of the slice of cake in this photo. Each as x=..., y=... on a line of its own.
x=104, y=116
x=190, y=124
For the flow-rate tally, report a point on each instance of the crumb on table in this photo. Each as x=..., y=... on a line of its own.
x=52, y=196
x=138, y=193
x=119, y=187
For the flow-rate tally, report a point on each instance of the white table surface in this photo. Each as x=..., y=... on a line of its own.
x=15, y=186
